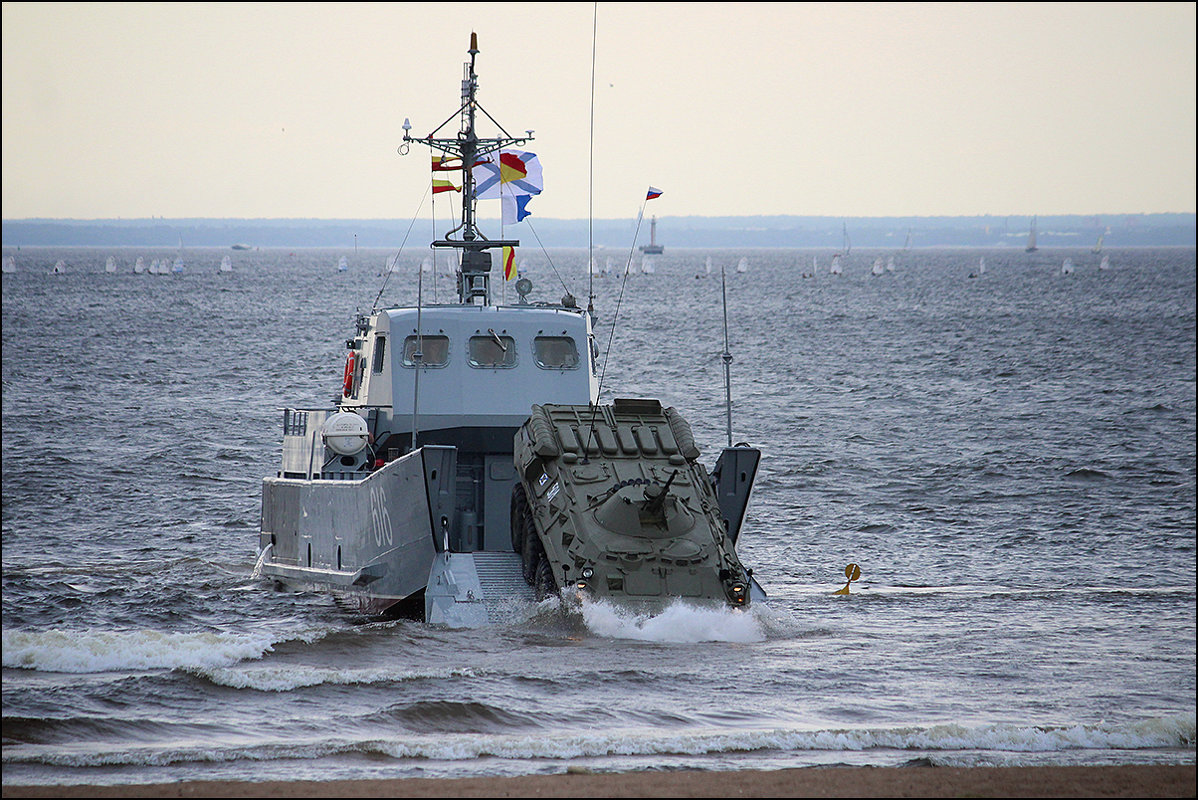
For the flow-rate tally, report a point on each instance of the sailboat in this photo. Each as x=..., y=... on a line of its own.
x=835, y=268
x=848, y=244
x=742, y=265
x=432, y=488
x=1067, y=266
x=907, y=243
x=1031, y=238
x=1105, y=263
x=110, y=265
x=139, y=266
x=59, y=267
x=648, y=266
x=981, y=268
x=226, y=264
x=878, y=268
x=1097, y=248
x=890, y=264
x=10, y=265
x=342, y=264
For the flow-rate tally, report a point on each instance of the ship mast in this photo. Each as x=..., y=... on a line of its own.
x=474, y=275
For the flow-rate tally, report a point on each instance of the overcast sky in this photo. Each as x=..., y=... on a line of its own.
x=280, y=110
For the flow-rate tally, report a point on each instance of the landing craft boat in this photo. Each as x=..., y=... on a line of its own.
x=467, y=465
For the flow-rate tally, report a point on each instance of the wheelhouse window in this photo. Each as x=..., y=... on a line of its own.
x=380, y=352
x=434, y=350
x=492, y=350
x=555, y=352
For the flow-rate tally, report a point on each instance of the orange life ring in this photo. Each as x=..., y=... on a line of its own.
x=348, y=381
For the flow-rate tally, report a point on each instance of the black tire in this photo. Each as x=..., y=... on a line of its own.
x=545, y=585
x=532, y=553
x=520, y=512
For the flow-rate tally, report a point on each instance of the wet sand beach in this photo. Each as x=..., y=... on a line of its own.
x=1097, y=781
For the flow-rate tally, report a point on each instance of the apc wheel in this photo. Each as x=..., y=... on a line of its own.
x=531, y=552
x=519, y=514
x=545, y=585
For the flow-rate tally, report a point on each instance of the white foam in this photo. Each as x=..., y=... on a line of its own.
x=950, y=743
x=678, y=623
x=106, y=650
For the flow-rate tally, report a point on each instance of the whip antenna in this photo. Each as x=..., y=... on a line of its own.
x=727, y=355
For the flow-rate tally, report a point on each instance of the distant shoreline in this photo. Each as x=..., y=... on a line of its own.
x=836, y=233
x=1048, y=781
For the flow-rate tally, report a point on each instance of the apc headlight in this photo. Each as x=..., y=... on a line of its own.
x=587, y=573
x=737, y=594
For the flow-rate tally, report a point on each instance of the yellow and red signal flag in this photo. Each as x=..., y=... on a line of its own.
x=444, y=186
x=446, y=163
x=509, y=263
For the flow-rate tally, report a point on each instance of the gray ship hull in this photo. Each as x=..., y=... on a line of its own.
x=371, y=541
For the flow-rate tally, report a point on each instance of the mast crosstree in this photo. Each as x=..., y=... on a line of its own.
x=474, y=275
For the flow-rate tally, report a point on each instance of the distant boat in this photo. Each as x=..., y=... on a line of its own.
x=878, y=268
x=178, y=267
x=835, y=268
x=890, y=264
x=653, y=248
x=110, y=265
x=814, y=265
x=648, y=266
x=848, y=243
x=226, y=264
x=742, y=265
x=242, y=247
x=1067, y=266
x=342, y=264
x=1097, y=248
x=981, y=268
x=391, y=263
x=607, y=266
x=426, y=266
x=1105, y=263
x=907, y=243
x=1031, y=238
x=10, y=265
x=139, y=266
x=595, y=270
x=59, y=267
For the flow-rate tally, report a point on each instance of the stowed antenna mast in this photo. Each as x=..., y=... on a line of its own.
x=467, y=148
x=727, y=356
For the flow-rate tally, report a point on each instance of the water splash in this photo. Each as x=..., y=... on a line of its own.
x=679, y=622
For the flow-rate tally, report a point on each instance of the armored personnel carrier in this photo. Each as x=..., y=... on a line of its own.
x=611, y=502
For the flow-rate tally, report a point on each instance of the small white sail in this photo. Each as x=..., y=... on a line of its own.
x=1067, y=266
x=110, y=264
x=1097, y=245
x=426, y=266
x=342, y=264
x=878, y=268
x=890, y=264
x=707, y=266
x=139, y=266
x=835, y=268
x=814, y=265
x=1105, y=263
x=59, y=267
x=10, y=265
x=742, y=265
x=178, y=267
x=982, y=265
x=392, y=263
x=648, y=266
x=226, y=264
x=1031, y=238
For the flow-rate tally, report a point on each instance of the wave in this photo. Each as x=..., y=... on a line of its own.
x=1175, y=732
x=84, y=651
x=286, y=678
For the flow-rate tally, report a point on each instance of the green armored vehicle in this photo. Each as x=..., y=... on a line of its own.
x=611, y=502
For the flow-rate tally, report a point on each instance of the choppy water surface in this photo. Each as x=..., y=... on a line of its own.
x=1010, y=458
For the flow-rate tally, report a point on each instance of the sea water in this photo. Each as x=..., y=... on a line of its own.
x=1008, y=457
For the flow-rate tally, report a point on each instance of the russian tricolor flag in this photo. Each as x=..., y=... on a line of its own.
x=653, y=193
